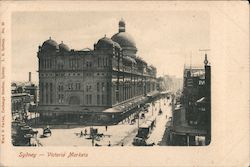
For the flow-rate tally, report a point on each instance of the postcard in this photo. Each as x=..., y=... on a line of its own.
x=124, y=83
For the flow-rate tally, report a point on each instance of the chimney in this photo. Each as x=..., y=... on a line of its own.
x=29, y=76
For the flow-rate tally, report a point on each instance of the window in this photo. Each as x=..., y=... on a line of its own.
x=45, y=63
x=46, y=94
x=60, y=98
x=73, y=63
x=51, y=93
x=107, y=88
x=87, y=99
x=50, y=63
x=78, y=86
x=90, y=99
x=98, y=87
x=88, y=64
x=98, y=99
x=60, y=88
x=88, y=88
x=103, y=99
x=70, y=86
x=103, y=87
x=42, y=92
x=106, y=62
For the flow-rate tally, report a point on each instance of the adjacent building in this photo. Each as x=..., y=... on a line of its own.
x=192, y=110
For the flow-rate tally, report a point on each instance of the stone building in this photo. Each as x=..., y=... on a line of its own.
x=82, y=85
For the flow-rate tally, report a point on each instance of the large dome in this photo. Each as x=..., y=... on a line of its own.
x=49, y=45
x=124, y=40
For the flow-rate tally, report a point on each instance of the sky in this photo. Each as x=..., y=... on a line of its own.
x=165, y=39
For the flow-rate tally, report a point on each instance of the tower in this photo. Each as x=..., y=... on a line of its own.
x=205, y=61
x=121, y=25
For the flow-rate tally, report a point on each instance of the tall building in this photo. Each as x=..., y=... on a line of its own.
x=82, y=85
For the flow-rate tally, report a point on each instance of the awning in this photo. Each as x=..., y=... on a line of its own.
x=124, y=107
x=192, y=131
x=201, y=100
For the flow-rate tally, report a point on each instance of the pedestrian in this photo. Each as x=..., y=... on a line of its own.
x=85, y=132
x=106, y=127
x=81, y=134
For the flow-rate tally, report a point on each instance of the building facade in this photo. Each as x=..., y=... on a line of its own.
x=79, y=85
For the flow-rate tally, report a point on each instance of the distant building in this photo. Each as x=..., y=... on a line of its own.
x=160, y=84
x=170, y=83
x=23, y=97
x=84, y=85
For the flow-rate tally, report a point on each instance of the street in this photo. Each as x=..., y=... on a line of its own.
x=116, y=135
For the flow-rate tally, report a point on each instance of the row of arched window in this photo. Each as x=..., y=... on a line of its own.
x=46, y=92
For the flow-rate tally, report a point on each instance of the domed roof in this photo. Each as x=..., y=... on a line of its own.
x=49, y=45
x=124, y=40
x=63, y=47
x=106, y=43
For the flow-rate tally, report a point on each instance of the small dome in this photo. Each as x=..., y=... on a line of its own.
x=49, y=45
x=117, y=45
x=104, y=43
x=63, y=47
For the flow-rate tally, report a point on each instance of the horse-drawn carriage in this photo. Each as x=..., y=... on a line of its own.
x=47, y=132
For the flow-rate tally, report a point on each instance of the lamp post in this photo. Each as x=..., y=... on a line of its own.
x=159, y=103
x=152, y=109
x=138, y=120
